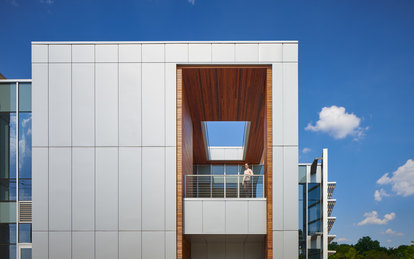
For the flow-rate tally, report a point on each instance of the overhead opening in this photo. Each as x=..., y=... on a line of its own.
x=226, y=140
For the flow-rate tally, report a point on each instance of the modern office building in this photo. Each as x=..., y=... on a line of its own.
x=125, y=164
x=15, y=169
x=315, y=208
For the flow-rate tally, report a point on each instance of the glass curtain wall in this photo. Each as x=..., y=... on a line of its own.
x=15, y=164
x=302, y=212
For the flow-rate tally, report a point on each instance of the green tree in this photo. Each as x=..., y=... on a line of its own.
x=367, y=244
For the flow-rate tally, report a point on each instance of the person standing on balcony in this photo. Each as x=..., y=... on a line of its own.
x=247, y=181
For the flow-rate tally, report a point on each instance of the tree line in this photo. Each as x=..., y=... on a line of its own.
x=366, y=248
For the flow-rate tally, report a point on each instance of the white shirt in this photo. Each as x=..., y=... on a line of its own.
x=247, y=174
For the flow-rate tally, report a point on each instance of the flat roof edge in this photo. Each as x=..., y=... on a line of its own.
x=158, y=42
x=15, y=80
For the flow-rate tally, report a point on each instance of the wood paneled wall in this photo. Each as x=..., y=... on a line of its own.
x=268, y=156
x=184, y=163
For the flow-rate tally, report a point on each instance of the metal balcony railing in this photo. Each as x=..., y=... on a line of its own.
x=223, y=186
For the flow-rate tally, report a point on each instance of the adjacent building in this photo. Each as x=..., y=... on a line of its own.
x=15, y=169
x=125, y=166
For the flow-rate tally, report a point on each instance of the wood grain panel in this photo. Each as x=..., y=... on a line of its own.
x=184, y=163
x=226, y=93
x=269, y=164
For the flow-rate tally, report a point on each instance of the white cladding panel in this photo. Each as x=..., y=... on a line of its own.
x=153, y=189
x=130, y=104
x=83, y=245
x=83, y=104
x=106, y=181
x=153, y=104
x=225, y=216
x=83, y=53
x=106, y=104
x=60, y=104
x=40, y=189
x=130, y=188
x=83, y=188
x=106, y=245
x=40, y=103
x=130, y=53
x=60, y=53
x=41, y=249
x=60, y=189
x=60, y=245
x=129, y=245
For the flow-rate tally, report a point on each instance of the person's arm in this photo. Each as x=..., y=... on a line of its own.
x=244, y=176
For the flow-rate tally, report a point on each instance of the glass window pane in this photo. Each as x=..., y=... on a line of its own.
x=25, y=145
x=26, y=253
x=7, y=145
x=7, y=212
x=7, y=233
x=25, y=189
x=217, y=169
x=7, y=97
x=25, y=233
x=203, y=169
x=302, y=173
x=7, y=190
x=8, y=251
x=232, y=169
x=25, y=97
x=257, y=169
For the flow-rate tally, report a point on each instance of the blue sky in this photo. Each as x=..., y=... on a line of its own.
x=352, y=54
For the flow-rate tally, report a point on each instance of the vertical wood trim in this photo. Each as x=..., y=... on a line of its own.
x=179, y=170
x=269, y=164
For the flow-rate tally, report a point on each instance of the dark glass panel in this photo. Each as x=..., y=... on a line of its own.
x=232, y=169
x=7, y=233
x=26, y=253
x=25, y=189
x=7, y=190
x=8, y=251
x=25, y=97
x=25, y=233
x=7, y=145
x=7, y=97
x=217, y=169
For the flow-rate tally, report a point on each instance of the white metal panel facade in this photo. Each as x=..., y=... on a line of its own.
x=111, y=69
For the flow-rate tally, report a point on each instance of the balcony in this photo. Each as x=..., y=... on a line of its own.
x=223, y=186
x=222, y=204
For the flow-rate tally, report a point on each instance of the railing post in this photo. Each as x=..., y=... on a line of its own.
x=198, y=192
x=238, y=186
x=225, y=187
x=211, y=186
x=185, y=186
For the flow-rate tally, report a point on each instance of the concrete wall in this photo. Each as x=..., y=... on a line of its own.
x=104, y=150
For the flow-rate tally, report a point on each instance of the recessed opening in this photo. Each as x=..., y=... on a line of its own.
x=226, y=140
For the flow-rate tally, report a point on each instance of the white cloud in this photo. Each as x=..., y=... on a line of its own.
x=393, y=233
x=306, y=150
x=338, y=123
x=191, y=2
x=402, y=180
x=342, y=239
x=372, y=218
x=389, y=241
x=378, y=195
